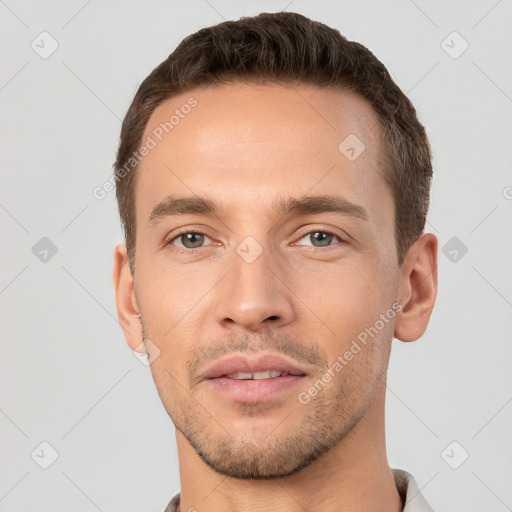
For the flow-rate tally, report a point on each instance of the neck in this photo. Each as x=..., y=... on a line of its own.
x=354, y=476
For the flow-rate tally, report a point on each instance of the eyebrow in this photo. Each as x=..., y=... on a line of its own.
x=173, y=206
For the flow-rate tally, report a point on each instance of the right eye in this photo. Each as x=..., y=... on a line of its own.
x=188, y=239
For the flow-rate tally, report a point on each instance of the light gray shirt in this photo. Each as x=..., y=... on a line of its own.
x=405, y=484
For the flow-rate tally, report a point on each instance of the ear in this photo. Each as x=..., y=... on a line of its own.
x=417, y=289
x=126, y=304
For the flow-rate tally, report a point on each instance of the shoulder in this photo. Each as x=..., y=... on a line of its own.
x=410, y=493
x=171, y=507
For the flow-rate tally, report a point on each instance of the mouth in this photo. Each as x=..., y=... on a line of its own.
x=266, y=374
x=251, y=380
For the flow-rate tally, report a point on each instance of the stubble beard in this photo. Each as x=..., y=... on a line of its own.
x=326, y=422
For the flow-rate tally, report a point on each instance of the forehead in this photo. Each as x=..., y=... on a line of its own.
x=235, y=140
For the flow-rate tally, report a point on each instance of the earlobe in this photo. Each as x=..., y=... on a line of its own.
x=418, y=288
x=126, y=305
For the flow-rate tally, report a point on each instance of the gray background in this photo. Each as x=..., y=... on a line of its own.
x=67, y=376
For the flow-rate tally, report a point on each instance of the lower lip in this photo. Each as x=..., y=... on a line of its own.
x=254, y=390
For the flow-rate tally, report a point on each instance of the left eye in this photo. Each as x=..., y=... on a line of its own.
x=323, y=238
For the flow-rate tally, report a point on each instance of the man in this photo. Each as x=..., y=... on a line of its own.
x=273, y=184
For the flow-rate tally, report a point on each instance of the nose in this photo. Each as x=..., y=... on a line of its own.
x=254, y=295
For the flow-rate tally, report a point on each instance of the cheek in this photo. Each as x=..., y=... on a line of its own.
x=168, y=295
x=342, y=312
x=170, y=306
x=343, y=296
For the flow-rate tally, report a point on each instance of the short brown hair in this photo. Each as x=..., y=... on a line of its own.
x=287, y=47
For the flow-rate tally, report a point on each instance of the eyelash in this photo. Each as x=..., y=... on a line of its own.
x=181, y=250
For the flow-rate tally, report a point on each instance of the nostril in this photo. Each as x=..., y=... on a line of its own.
x=273, y=317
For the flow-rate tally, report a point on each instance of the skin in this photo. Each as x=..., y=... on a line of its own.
x=245, y=146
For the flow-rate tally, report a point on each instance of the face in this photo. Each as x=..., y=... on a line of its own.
x=273, y=260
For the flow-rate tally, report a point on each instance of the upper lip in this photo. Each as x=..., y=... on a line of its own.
x=245, y=364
